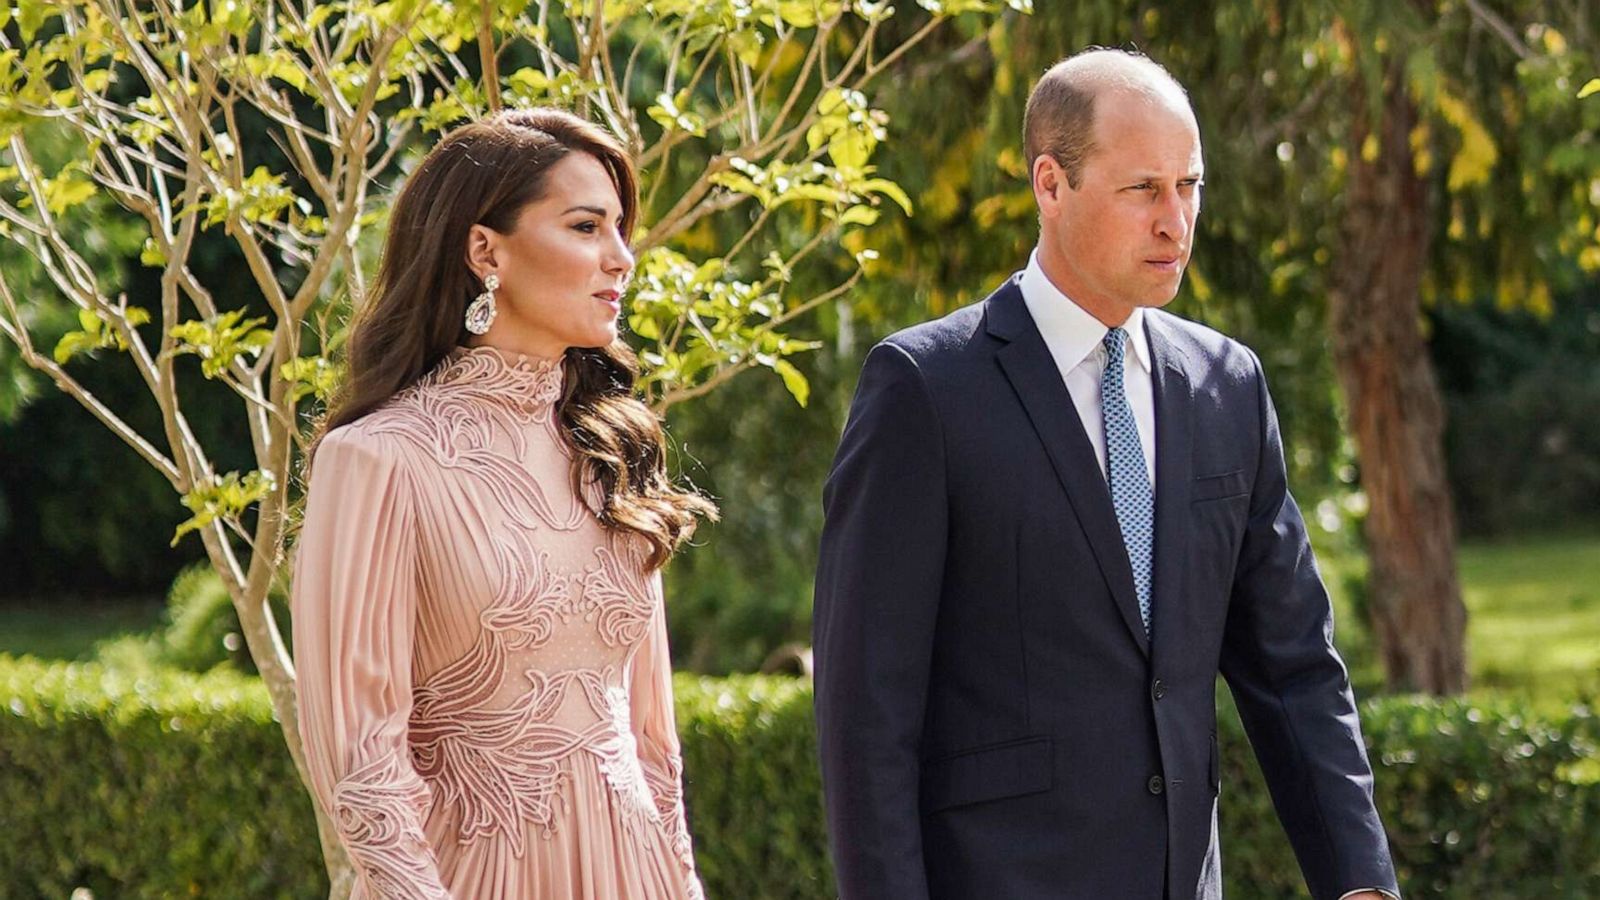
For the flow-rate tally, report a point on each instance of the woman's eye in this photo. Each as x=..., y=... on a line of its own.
x=587, y=227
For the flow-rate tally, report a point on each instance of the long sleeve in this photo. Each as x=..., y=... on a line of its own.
x=354, y=608
x=655, y=729
x=880, y=573
x=1293, y=693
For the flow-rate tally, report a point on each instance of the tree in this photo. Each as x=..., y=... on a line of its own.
x=272, y=120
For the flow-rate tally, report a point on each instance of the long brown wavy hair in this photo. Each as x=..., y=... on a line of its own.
x=485, y=173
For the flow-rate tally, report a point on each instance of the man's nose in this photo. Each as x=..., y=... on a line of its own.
x=1172, y=218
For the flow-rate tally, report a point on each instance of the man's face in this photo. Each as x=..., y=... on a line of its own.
x=1122, y=238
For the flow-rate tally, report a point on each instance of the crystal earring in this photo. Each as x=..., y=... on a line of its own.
x=480, y=312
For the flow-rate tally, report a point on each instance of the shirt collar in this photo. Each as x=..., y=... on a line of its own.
x=1069, y=331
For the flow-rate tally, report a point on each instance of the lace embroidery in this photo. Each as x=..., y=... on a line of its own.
x=666, y=785
x=502, y=764
x=378, y=810
x=502, y=768
x=619, y=755
x=617, y=591
x=461, y=409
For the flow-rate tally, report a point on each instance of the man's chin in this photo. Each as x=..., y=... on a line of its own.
x=1160, y=298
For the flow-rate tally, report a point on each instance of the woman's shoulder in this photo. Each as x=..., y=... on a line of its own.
x=370, y=440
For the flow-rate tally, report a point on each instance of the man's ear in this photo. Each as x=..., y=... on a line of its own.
x=1049, y=184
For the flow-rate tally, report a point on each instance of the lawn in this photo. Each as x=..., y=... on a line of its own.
x=70, y=628
x=1535, y=614
x=1534, y=628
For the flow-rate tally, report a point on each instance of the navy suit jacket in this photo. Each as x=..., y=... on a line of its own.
x=993, y=721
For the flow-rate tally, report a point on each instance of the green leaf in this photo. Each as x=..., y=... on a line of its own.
x=224, y=498
x=859, y=215
x=310, y=375
x=794, y=380
x=151, y=254
x=671, y=113
x=889, y=189
x=66, y=190
x=72, y=343
x=528, y=82
x=94, y=335
x=31, y=16
x=221, y=340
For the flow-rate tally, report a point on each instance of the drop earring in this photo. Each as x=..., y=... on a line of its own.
x=480, y=312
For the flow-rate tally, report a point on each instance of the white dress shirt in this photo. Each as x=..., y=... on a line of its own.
x=1075, y=339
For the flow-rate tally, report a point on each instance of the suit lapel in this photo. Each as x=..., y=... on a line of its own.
x=1027, y=364
x=1174, y=467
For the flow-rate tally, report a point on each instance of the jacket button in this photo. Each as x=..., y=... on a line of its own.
x=1158, y=689
x=1156, y=785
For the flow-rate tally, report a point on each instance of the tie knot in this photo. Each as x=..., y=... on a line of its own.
x=1114, y=343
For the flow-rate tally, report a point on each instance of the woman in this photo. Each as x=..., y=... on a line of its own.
x=485, y=691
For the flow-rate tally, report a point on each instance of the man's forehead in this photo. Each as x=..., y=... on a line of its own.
x=1150, y=134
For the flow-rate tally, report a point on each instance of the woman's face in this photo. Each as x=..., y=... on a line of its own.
x=562, y=268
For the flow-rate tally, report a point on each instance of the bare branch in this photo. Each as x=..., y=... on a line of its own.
x=1490, y=19
x=488, y=57
x=14, y=326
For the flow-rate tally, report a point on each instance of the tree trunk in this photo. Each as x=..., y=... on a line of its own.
x=1393, y=401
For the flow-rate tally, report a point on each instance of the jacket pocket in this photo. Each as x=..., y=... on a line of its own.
x=991, y=772
x=1217, y=487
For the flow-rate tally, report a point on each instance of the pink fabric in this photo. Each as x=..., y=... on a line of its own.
x=484, y=685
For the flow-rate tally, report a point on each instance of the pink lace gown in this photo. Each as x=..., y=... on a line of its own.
x=485, y=691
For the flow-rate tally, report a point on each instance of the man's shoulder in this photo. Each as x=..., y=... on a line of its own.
x=947, y=338
x=1204, y=350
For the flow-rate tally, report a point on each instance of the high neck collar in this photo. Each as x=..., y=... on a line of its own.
x=522, y=381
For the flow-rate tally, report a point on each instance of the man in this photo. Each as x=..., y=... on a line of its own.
x=1054, y=517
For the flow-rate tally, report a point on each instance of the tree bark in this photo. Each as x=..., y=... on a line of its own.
x=1393, y=400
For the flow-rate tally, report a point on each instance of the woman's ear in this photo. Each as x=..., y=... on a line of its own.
x=481, y=244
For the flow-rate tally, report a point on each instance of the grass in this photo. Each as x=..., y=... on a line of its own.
x=69, y=629
x=1533, y=628
x=1534, y=607
x=1533, y=616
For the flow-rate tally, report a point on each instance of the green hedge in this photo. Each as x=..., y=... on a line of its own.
x=176, y=785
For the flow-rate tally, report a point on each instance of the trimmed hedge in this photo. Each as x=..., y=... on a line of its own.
x=178, y=785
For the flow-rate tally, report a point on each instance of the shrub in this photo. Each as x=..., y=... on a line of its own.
x=173, y=784
x=198, y=632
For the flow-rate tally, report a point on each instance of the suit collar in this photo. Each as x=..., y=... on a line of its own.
x=1174, y=398
x=1031, y=370
x=1071, y=333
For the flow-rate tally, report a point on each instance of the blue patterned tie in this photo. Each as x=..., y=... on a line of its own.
x=1131, y=494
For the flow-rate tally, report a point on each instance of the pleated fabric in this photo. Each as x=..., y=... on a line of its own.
x=483, y=675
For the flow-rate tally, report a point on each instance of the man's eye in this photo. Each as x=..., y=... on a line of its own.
x=1144, y=186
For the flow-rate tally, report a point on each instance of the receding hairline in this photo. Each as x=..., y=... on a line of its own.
x=1061, y=109
x=1101, y=70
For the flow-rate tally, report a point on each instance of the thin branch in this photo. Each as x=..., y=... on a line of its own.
x=488, y=57
x=1494, y=23
x=12, y=324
